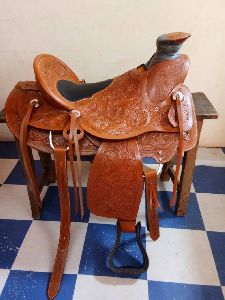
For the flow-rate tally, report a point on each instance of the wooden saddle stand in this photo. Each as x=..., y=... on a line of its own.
x=145, y=112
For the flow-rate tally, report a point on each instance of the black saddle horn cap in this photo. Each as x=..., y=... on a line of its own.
x=168, y=47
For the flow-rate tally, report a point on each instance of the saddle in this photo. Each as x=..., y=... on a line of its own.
x=145, y=112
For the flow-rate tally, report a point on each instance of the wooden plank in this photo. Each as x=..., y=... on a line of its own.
x=203, y=107
x=2, y=116
x=184, y=187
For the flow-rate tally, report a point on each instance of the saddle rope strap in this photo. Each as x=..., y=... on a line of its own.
x=74, y=137
x=178, y=97
x=24, y=150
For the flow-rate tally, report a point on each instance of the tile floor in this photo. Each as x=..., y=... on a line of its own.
x=187, y=262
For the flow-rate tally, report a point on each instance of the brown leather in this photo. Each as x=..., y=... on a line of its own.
x=71, y=153
x=152, y=202
x=115, y=182
x=61, y=172
x=180, y=147
x=135, y=116
x=25, y=153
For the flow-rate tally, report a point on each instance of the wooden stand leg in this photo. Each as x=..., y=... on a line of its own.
x=33, y=201
x=166, y=171
x=48, y=168
x=186, y=176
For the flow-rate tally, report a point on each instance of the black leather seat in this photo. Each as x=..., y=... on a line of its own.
x=73, y=91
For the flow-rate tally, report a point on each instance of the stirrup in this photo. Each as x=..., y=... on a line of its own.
x=129, y=269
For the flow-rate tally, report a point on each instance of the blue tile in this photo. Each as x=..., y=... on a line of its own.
x=33, y=286
x=98, y=243
x=217, y=243
x=209, y=180
x=170, y=291
x=12, y=233
x=17, y=175
x=8, y=150
x=149, y=160
x=51, y=206
x=167, y=217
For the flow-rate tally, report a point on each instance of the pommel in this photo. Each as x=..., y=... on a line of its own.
x=168, y=47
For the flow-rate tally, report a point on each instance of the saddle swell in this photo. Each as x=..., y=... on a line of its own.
x=145, y=112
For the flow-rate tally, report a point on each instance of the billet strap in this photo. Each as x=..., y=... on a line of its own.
x=178, y=97
x=61, y=172
x=24, y=150
x=128, y=228
x=73, y=134
x=152, y=202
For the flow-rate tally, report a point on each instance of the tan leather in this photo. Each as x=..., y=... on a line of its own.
x=115, y=182
x=61, y=172
x=24, y=150
x=71, y=153
x=180, y=147
x=152, y=202
x=48, y=69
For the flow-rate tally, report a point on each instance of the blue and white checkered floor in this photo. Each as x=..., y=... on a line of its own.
x=187, y=262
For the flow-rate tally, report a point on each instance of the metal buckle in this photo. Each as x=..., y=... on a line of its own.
x=35, y=103
x=178, y=95
x=76, y=112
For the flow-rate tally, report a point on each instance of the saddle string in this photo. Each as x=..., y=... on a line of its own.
x=178, y=97
x=25, y=150
x=74, y=114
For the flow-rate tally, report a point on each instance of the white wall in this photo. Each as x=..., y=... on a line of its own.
x=103, y=38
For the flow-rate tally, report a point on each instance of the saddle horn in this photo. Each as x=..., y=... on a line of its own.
x=168, y=47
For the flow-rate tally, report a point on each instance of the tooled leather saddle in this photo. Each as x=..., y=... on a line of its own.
x=145, y=112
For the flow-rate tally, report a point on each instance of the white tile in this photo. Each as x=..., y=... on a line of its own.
x=101, y=220
x=3, y=277
x=35, y=154
x=167, y=185
x=41, y=242
x=110, y=288
x=223, y=290
x=14, y=202
x=182, y=255
x=210, y=157
x=6, y=166
x=85, y=172
x=212, y=207
x=141, y=211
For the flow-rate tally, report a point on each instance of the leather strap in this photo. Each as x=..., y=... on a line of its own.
x=79, y=166
x=70, y=142
x=127, y=226
x=75, y=134
x=61, y=171
x=24, y=151
x=152, y=202
x=180, y=147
